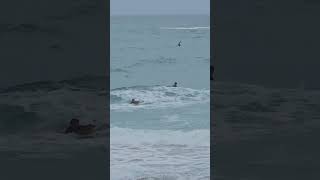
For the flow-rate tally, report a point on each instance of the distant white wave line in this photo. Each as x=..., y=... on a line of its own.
x=186, y=28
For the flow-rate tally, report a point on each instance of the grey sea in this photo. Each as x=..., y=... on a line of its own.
x=167, y=136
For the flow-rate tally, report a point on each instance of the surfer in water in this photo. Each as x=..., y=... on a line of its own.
x=211, y=72
x=175, y=84
x=75, y=127
x=135, y=102
x=179, y=44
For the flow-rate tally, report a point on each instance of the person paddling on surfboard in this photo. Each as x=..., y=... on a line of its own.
x=75, y=127
x=135, y=102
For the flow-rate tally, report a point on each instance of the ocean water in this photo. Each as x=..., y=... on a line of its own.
x=33, y=118
x=168, y=135
x=270, y=128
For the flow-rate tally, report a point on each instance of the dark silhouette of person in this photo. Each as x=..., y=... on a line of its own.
x=133, y=101
x=175, y=84
x=75, y=127
x=211, y=72
x=179, y=44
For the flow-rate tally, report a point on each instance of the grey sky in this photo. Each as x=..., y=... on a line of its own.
x=120, y=7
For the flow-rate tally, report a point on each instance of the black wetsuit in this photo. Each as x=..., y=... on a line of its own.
x=211, y=72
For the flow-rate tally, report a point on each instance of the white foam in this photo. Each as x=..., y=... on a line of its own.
x=159, y=154
x=200, y=137
x=158, y=97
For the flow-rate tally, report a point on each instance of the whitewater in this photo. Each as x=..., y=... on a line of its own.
x=167, y=136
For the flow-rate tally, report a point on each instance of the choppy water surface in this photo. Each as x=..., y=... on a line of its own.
x=168, y=135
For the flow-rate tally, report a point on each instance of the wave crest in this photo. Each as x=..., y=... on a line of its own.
x=155, y=97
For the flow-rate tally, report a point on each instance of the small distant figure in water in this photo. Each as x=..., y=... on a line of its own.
x=133, y=101
x=179, y=44
x=75, y=127
x=211, y=73
x=175, y=84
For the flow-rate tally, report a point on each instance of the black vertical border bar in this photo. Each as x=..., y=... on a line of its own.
x=106, y=6
x=212, y=57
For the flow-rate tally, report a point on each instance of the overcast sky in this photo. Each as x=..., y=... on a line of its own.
x=136, y=7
